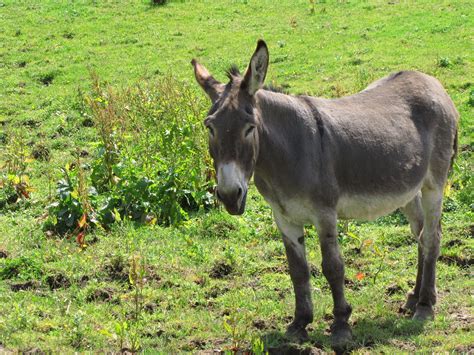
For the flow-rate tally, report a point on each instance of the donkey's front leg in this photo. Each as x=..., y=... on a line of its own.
x=333, y=270
x=293, y=239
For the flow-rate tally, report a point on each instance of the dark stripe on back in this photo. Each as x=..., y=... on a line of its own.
x=316, y=115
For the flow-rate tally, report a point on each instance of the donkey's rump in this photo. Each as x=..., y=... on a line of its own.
x=381, y=141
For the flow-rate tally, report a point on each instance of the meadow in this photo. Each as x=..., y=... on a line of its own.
x=110, y=238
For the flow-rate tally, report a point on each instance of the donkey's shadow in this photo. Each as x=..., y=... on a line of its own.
x=367, y=334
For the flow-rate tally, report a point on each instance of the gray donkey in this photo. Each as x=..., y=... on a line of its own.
x=314, y=160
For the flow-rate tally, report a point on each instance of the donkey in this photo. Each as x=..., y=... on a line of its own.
x=315, y=160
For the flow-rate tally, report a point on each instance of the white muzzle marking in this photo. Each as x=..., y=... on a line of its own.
x=229, y=177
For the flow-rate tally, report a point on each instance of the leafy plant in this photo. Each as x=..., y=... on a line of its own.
x=127, y=330
x=236, y=327
x=14, y=179
x=444, y=62
x=74, y=210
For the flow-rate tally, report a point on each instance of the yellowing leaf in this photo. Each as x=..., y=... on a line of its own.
x=74, y=194
x=368, y=242
x=447, y=189
x=82, y=221
x=117, y=215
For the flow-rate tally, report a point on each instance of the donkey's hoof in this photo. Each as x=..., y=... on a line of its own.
x=423, y=313
x=410, y=304
x=296, y=333
x=341, y=336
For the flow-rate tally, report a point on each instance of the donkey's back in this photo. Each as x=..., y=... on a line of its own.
x=385, y=143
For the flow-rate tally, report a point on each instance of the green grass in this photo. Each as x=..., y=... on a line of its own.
x=216, y=269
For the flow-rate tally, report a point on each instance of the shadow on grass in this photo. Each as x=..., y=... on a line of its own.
x=368, y=333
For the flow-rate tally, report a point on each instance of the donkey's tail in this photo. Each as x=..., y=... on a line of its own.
x=455, y=151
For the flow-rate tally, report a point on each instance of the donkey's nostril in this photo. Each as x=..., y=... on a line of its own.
x=239, y=192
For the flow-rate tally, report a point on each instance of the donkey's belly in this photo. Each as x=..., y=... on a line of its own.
x=369, y=207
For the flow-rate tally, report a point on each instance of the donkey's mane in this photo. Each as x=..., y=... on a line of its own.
x=233, y=72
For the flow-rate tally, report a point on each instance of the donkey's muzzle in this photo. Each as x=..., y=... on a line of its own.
x=233, y=200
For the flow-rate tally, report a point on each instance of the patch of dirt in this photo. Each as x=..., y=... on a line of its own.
x=463, y=320
x=3, y=254
x=453, y=243
x=25, y=285
x=259, y=324
x=169, y=284
x=197, y=344
x=281, y=293
x=41, y=152
x=154, y=334
x=31, y=123
x=216, y=292
x=351, y=284
x=88, y=122
x=277, y=269
x=328, y=317
x=403, y=345
x=117, y=269
x=151, y=275
x=196, y=304
x=84, y=280
x=150, y=307
x=210, y=352
x=57, y=281
x=47, y=79
x=457, y=260
x=101, y=294
x=31, y=351
x=393, y=289
x=293, y=349
x=221, y=269
x=464, y=349
x=314, y=271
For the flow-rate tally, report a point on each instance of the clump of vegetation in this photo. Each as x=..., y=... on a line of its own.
x=22, y=268
x=152, y=159
x=74, y=209
x=470, y=102
x=14, y=178
x=444, y=62
x=151, y=164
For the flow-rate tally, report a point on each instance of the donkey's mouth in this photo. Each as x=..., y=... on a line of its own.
x=238, y=207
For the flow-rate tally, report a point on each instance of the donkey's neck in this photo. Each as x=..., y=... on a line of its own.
x=287, y=131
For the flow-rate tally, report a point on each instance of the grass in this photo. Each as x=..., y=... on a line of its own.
x=216, y=281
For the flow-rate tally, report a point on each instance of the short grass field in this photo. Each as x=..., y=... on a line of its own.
x=210, y=282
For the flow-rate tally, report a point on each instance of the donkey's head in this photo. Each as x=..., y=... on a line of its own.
x=233, y=124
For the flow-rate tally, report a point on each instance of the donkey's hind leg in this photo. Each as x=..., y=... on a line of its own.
x=431, y=200
x=414, y=213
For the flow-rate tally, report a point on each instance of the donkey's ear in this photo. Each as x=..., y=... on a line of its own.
x=211, y=86
x=257, y=70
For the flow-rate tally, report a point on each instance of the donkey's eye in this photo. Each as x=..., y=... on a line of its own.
x=249, y=130
x=249, y=110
